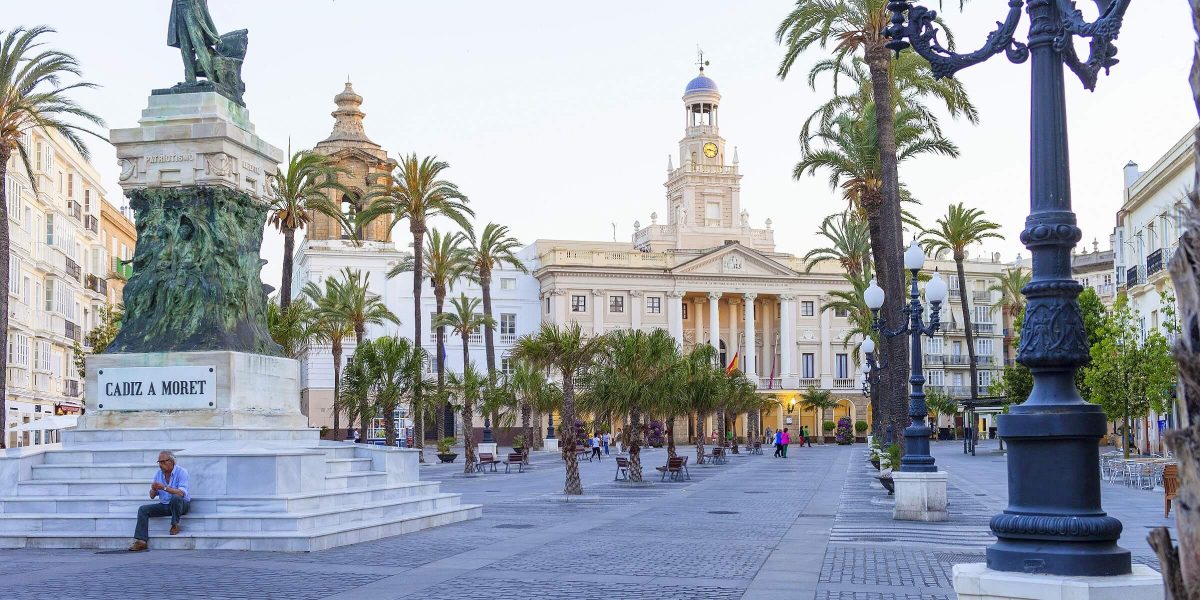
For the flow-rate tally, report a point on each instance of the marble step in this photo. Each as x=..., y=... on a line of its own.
x=98, y=456
x=300, y=541
x=145, y=470
x=339, y=481
x=138, y=486
x=76, y=436
x=323, y=499
x=12, y=523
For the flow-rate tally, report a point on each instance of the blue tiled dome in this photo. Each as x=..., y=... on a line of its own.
x=701, y=84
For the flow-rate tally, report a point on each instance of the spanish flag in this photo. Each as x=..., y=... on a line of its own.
x=733, y=365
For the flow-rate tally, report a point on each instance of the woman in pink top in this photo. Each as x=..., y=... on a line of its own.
x=787, y=439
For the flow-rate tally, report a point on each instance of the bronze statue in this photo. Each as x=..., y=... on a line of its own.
x=206, y=53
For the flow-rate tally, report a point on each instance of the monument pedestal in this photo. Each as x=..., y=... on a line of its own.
x=974, y=581
x=920, y=496
x=550, y=445
x=486, y=448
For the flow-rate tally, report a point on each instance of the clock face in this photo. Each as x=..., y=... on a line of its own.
x=710, y=150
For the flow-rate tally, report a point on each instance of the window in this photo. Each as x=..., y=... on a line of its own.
x=506, y=365
x=806, y=308
x=958, y=380
x=508, y=324
x=508, y=283
x=50, y=285
x=985, y=379
x=983, y=347
x=841, y=312
x=653, y=305
x=12, y=195
x=41, y=355
x=684, y=316
x=841, y=363
x=616, y=304
x=50, y=229
x=578, y=303
x=87, y=200
x=70, y=185
x=936, y=345
x=956, y=348
x=712, y=214
x=18, y=350
x=14, y=275
x=935, y=378
x=547, y=304
x=808, y=363
x=983, y=314
x=25, y=290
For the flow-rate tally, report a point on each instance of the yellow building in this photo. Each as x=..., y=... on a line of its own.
x=118, y=237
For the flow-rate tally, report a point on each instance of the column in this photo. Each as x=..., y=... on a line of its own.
x=697, y=306
x=734, y=346
x=637, y=306
x=826, y=351
x=558, y=303
x=598, y=309
x=675, y=316
x=769, y=367
x=750, y=369
x=786, y=306
x=714, y=320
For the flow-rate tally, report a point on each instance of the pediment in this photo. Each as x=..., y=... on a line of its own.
x=734, y=260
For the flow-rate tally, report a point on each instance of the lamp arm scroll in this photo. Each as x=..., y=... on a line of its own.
x=921, y=32
x=1101, y=53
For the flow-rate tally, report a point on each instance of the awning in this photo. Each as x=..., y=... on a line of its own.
x=48, y=423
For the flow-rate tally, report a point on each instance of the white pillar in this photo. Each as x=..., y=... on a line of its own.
x=637, y=306
x=750, y=370
x=769, y=368
x=826, y=351
x=697, y=306
x=786, y=306
x=675, y=316
x=598, y=309
x=714, y=321
x=734, y=346
x=558, y=303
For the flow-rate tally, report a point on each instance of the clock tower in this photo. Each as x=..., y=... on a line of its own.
x=703, y=191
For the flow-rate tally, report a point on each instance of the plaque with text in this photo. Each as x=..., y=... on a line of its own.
x=156, y=388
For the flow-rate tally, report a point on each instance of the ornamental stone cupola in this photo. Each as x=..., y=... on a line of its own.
x=364, y=161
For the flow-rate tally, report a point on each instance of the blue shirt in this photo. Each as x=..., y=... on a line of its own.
x=179, y=480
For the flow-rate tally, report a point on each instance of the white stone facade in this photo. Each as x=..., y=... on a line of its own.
x=58, y=270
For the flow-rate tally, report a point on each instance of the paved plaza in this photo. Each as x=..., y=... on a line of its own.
x=815, y=525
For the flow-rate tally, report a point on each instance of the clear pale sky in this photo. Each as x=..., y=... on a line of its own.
x=557, y=117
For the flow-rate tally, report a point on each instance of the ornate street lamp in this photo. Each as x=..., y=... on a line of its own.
x=872, y=371
x=916, y=436
x=1054, y=522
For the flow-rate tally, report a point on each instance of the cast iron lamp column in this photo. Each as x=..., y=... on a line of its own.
x=872, y=371
x=916, y=457
x=1054, y=522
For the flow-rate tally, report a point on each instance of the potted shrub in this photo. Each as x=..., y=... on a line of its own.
x=874, y=453
x=888, y=461
x=843, y=435
x=860, y=431
x=828, y=427
x=443, y=450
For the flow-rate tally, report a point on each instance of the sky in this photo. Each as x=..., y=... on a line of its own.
x=557, y=118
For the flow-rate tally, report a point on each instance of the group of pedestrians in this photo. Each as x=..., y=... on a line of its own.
x=783, y=439
x=599, y=442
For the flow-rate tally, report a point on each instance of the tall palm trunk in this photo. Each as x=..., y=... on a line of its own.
x=966, y=309
x=285, y=284
x=439, y=295
x=884, y=223
x=417, y=228
x=468, y=414
x=389, y=428
x=485, y=283
x=573, y=485
x=527, y=426
x=5, y=153
x=336, y=350
x=670, y=436
x=634, y=436
x=699, y=437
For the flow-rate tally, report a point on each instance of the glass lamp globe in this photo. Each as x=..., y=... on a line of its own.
x=866, y=369
x=873, y=296
x=935, y=290
x=914, y=257
x=868, y=345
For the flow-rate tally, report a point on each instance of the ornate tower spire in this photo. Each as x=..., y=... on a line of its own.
x=348, y=118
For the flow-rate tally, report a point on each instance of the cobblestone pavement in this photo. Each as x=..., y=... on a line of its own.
x=812, y=526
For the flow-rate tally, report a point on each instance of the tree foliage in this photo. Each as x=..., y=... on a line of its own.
x=108, y=324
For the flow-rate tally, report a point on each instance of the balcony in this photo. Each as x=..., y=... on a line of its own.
x=843, y=384
x=770, y=383
x=988, y=328
x=1154, y=262
x=72, y=331
x=985, y=360
x=72, y=388
x=809, y=382
x=97, y=284
x=122, y=269
x=957, y=359
x=18, y=377
x=74, y=271
x=508, y=339
x=1132, y=276
x=75, y=210
x=981, y=297
x=934, y=359
x=91, y=223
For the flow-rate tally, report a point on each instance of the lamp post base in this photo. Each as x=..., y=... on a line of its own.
x=920, y=496
x=974, y=581
x=550, y=444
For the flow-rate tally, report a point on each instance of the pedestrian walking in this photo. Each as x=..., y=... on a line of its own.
x=604, y=440
x=595, y=447
x=805, y=439
x=778, y=444
x=787, y=439
x=769, y=438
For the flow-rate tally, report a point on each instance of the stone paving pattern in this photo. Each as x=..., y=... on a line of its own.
x=815, y=525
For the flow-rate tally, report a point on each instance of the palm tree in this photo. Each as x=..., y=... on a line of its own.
x=470, y=386
x=628, y=378
x=494, y=248
x=820, y=401
x=960, y=228
x=446, y=261
x=464, y=320
x=33, y=96
x=1012, y=298
x=331, y=325
x=357, y=386
x=569, y=351
x=299, y=192
x=849, y=244
x=535, y=394
x=291, y=327
x=361, y=306
x=735, y=395
x=851, y=303
x=702, y=389
x=397, y=369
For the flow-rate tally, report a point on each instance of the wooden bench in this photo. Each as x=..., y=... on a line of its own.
x=686, y=474
x=486, y=459
x=515, y=458
x=1170, y=482
x=674, y=468
x=757, y=448
x=582, y=452
x=622, y=469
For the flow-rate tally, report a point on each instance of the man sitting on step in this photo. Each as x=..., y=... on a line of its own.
x=170, y=488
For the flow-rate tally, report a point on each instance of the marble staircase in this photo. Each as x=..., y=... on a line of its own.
x=252, y=489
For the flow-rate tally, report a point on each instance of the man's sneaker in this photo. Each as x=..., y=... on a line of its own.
x=138, y=546
x=175, y=529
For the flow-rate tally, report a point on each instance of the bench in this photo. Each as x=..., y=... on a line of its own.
x=582, y=452
x=717, y=457
x=515, y=458
x=622, y=469
x=1170, y=482
x=686, y=474
x=674, y=468
x=486, y=459
x=756, y=448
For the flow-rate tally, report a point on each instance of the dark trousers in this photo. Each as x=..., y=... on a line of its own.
x=808, y=440
x=778, y=450
x=176, y=508
x=595, y=452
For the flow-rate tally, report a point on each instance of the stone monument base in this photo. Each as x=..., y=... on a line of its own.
x=550, y=445
x=975, y=581
x=261, y=479
x=920, y=496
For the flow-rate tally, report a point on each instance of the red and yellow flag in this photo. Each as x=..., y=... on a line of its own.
x=733, y=365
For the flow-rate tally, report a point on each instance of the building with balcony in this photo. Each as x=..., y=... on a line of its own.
x=1095, y=270
x=1145, y=237
x=56, y=258
x=118, y=236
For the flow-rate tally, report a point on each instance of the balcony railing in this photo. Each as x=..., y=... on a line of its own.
x=72, y=388
x=843, y=384
x=97, y=284
x=983, y=327
x=122, y=269
x=770, y=383
x=809, y=382
x=981, y=297
x=934, y=359
x=92, y=223
x=957, y=359
x=1154, y=262
x=72, y=331
x=75, y=209
x=1132, y=276
x=985, y=360
x=508, y=339
x=74, y=271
